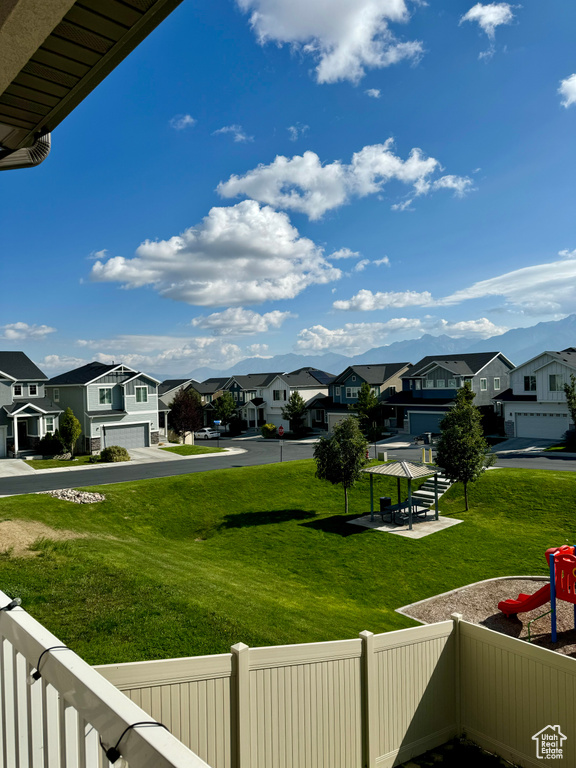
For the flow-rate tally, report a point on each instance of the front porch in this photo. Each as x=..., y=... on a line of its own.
x=26, y=423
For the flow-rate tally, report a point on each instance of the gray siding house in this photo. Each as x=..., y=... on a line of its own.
x=115, y=405
x=26, y=412
x=429, y=387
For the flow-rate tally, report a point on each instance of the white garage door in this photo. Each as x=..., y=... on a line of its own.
x=2, y=442
x=133, y=436
x=544, y=425
x=336, y=418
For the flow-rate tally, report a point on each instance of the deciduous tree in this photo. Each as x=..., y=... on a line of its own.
x=70, y=429
x=463, y=452
x=186, y=412
x=225, y=407
x=340, y=458
x=366, y=406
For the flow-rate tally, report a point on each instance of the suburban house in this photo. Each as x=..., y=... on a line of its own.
x=535, y=404
x=429, y=387
x=209, y=391
x=26, y=411
x=115, y=405
x=167, y=390
x=384, y=379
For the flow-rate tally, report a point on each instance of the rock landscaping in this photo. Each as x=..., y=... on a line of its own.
x=78, y=497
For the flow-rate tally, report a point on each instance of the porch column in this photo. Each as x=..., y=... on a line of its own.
x=15, y=428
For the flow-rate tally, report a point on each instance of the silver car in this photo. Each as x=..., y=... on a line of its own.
x=207, y=433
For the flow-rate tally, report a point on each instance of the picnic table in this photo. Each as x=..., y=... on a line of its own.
x=399, y=514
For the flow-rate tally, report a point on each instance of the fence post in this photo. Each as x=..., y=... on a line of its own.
x=370, y=718
x=241, y=655
x=456, y=618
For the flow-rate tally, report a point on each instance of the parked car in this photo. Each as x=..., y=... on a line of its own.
x=207, y=433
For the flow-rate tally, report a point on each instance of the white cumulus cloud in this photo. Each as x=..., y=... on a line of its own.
x=258, y=350
x=243, y=254
x=366, y=301
x=490, y=16
x=238, y=133
x=62, y=362
x=304, y=184
x=345, y=37
x=181, y=122
x=374, y=93
x=568, y=90
x=240, y=321
x=21, y=331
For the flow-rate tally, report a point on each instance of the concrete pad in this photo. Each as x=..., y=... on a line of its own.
x=14, y=467
x=420, y=528
x=528, y=444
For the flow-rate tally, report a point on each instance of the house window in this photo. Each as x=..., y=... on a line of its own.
x=141, y=394
x=496, y=383
x=529, y=383
x=56, y=395
x=32, y=390
x=319, y=416
x=279, y=394
x=105, y=396
x=49, y=423
x=417, y=384
x=429, y=383
x=353, y=378
x=17, y=390
x=556, y=383
x=440, y=383
x=352, y=393
x=452, y=383
x=483, y=385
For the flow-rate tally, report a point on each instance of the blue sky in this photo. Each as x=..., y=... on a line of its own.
x=267, y=176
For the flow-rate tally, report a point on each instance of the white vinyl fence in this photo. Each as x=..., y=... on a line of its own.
x=58, y=720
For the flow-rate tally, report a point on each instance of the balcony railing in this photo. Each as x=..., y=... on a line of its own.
x=62, y=718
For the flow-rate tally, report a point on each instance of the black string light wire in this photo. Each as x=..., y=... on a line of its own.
x=36, y=675
x=113, y=753
x=12, y=604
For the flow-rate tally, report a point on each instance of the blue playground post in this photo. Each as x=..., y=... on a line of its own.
x=553, y=595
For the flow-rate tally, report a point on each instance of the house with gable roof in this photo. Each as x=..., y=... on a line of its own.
x=535, y=404
x=429, y=387
x=115, y=404
x=27, y=413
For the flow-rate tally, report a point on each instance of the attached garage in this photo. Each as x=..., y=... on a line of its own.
x=424, y=421
x=542, y=425
x=128, y=436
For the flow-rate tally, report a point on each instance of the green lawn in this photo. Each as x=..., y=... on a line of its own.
x=192, y=564
x=191, y=450
x=77, y=461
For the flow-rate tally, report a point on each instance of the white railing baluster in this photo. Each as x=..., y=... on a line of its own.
x=3, y=703
x=16, y=708
x=29, y=731
x=81, y=742
x=62, y=731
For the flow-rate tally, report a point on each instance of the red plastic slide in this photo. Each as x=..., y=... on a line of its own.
x=525, y=602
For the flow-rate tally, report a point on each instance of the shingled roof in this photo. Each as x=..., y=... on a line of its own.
x=19, y=366
x=373, y=374
x=459, y=365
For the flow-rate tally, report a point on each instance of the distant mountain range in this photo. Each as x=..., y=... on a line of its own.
x=519, y=345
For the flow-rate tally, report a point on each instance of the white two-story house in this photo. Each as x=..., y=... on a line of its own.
x=535, y=404
x=115, y=405
x=26, y=412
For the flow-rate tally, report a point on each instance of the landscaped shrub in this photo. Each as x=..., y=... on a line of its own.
x=115, y=453
x=268, y=430
x=94, y=459
x=50, y=445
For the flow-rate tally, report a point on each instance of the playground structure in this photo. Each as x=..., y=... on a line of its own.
x=562, y=586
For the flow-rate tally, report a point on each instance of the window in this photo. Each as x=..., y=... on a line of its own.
x=497, y=383
x=353, y=378
x=56, y=395
x=105, y=396
x=483, y=385
x=276, y=394
x=429, y=383
x=556, y=383
x=440, y=383
x=141, y=394
x=529, y=383
x=452, y=383
x=417, y=384
x=352, y=393
x=319, y=416
x=32, y=390
x=49, y=423
x=17, y=390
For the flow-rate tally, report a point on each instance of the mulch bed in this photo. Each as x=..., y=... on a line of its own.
x=478, y=604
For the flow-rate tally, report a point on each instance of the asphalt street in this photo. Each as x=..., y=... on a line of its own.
x=257, y=452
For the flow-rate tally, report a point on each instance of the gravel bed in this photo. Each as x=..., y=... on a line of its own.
x=78, y=497
x=478, y=603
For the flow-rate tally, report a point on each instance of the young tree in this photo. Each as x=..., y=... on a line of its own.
x=225, y=407
x=70, y=430
x=294, y=411
x=340, y=458
x=186, y=412
x=366, y=406
x=462, y=451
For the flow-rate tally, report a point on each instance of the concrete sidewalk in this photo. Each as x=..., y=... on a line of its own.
x=19, y=467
